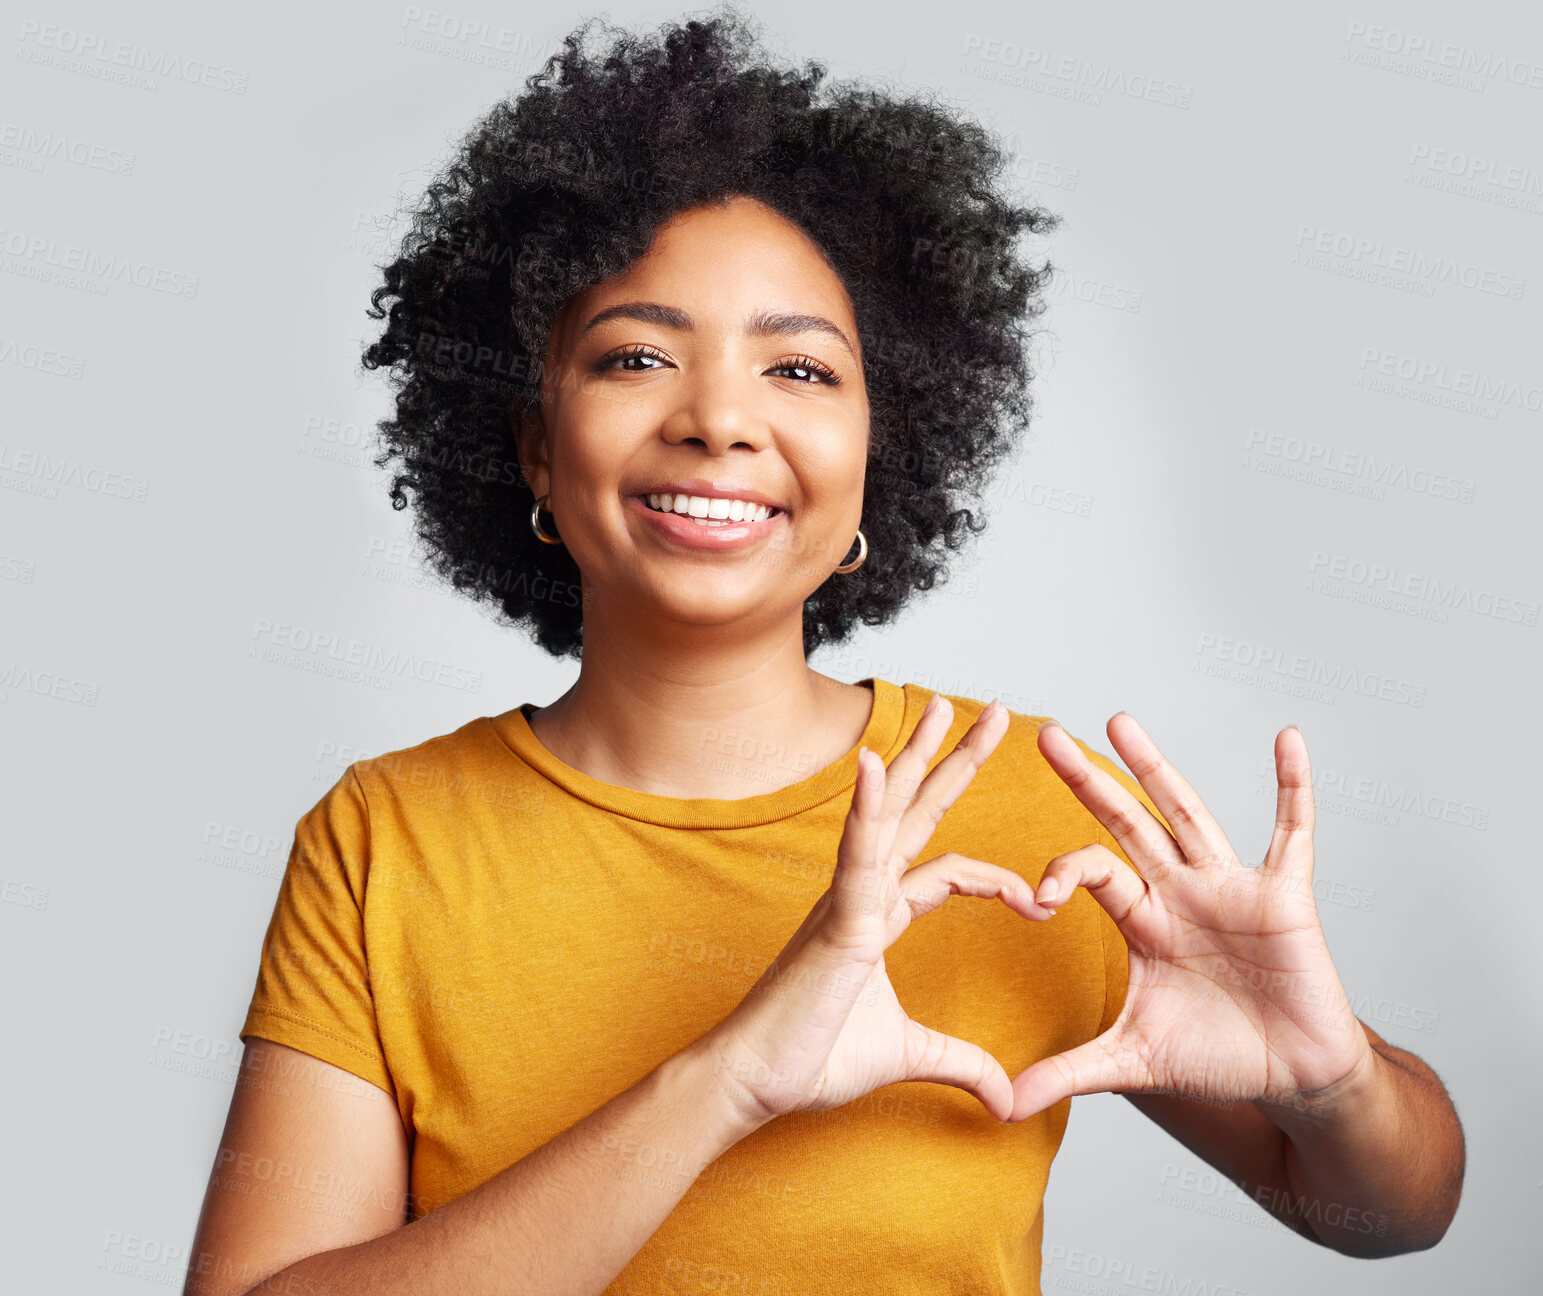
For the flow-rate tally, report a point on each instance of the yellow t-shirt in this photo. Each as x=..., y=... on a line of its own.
x=503, y=943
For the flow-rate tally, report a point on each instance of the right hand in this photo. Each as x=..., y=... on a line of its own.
x=822, y=1026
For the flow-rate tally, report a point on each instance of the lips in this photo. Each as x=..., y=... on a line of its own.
x=712, y=490
x=684, y=530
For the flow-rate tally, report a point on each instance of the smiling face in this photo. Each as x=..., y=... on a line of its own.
x=723, y=365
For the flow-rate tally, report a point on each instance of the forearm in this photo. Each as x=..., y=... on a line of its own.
x=1376, y=1168
x=564, y=1219
x=1382, y=1177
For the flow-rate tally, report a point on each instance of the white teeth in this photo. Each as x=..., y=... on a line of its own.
x=710, y=510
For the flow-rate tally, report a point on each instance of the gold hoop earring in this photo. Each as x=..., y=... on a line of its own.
x=535, y=523
x=862, y=555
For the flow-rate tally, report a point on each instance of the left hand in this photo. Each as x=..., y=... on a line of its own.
x=1233, y=996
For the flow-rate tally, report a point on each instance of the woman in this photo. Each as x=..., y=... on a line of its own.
x=655, y=988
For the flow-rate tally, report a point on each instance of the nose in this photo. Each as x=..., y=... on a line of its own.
x=717, y=414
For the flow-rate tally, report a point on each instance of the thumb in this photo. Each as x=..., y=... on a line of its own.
x=1099, y=1066
x=943, y=1059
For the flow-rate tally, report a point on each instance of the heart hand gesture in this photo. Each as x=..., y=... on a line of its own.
x=1232, y=993
x=822, y=1026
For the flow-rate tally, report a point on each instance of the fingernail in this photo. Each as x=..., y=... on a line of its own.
x=932, y=705
x=1049, y=889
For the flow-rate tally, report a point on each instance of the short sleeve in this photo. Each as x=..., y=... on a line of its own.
x=313, y=982
x=1116, y=952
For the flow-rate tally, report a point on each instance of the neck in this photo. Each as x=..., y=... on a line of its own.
x=681, y=710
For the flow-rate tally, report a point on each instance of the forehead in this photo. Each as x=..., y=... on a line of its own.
x=719, y=261
x=739, y=226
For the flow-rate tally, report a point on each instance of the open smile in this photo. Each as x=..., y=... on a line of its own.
x=711, y=524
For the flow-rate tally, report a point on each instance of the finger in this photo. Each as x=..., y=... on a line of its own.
x=1291, y=844
x=942, y=1059
x=1103, y=874
x=1101, y=1065
x=946, y=781
x=928, y=885
x=1199, y=836
x=1131, y=824
x=856, y=888
x=904, y=774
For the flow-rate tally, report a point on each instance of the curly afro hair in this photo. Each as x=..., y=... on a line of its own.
x=566, y=185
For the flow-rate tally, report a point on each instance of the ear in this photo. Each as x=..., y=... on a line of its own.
x=530, y=444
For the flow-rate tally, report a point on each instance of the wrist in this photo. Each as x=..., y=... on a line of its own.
x=708, y=1073
x=1349, y=1097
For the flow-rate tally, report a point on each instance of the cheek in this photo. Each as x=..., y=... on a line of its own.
x=831, y=469
x=844, y=485
x=590, y=446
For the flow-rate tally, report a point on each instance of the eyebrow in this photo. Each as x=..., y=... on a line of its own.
x=764, y=324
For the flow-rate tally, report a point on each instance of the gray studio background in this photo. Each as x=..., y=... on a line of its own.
x=1292, y=242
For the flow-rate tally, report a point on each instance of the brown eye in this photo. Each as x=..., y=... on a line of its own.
x=808, y=365
x=614, y=360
